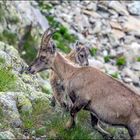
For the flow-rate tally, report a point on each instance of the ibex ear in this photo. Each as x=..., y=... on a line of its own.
x=53, y=48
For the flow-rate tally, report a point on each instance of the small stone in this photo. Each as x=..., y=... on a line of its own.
x=134, y=8
x=91, y=13
x=136, y=66
x=127, y=80
x=91, y=6
x=115, y=25
x=117, y=6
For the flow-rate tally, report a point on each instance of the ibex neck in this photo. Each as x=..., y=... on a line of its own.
x=63, y=67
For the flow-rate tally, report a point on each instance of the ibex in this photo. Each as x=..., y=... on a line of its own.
x=89, y=88
x=79, y=56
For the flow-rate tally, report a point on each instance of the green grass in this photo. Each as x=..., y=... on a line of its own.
x=138, y=59
x=93, y=51
x=7, y=79
x=107, y=58
x=115, y=75
x=34, y=119
x=2, y=13
x=56, y=128
x=121, y=61
x=8, y=37
x=29, y=48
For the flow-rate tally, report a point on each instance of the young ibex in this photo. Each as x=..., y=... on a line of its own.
x=79, y=55
x=110, y=100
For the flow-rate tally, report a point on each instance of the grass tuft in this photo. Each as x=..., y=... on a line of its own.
x=93, y=51
x=7, y=79
x=121, y=61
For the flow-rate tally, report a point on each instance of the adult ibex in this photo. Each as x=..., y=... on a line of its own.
x=79, y=55
x=109, y=99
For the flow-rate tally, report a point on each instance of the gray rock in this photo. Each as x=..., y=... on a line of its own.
x=6, y=135
x=96, y=63
x=134, y=8
x=136, y=66
x=92, y=6
x=127, y=80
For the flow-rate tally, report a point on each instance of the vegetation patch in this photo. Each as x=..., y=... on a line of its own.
x=138, y=59
x=115, y=75
x=29, y=51
x=93, y=51
x=107, y=58
x=8, y=37
x=7, y=79
x=121, y=61
x=62, y=37
x=56, y=128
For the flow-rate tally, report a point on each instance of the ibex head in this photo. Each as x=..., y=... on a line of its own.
x=45, y=55
x=82, y=53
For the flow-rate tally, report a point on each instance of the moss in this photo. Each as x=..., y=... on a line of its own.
x=93, y=51
x=34, y=119
x=2, y=13
x=7, y=79
x=107, y=58
x=115, y=75
x=8, y=37
x=29, y=48
x=56, y=128
x=121, y=61
x=41, y=131
x=45, y=5
x=2, y=61
x=138, y=59
x=13, y=20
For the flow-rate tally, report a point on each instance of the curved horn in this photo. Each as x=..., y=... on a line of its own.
x=47, y=39
x=45, y=35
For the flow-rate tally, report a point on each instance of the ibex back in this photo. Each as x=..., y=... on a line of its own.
x=111, y=101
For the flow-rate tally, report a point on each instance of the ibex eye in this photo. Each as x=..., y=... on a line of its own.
x=82, y=55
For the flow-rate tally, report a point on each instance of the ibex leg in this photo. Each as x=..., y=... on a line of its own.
x=77, y=106
x=95, y=123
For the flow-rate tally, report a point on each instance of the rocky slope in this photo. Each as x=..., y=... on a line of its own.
x=109, y=29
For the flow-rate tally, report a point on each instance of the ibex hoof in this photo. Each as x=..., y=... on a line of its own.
x=69, y=125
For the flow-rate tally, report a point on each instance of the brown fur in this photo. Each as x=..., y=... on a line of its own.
x=111, y=101
x=108, y=98
x=55, y=81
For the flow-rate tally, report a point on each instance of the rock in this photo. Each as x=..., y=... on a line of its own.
x=110, y=69
x=132, y=25
x=6, y=135
x=117, y=6
x=24, y=104
x=115, y=25
x=92, y=6
x=96, y=63
x=127, y=80
x=91, y=13
x=136, y=66
x=134, y=8
x=118, y=34
x=132, y=51
x=97, y=28
x=8, y=101
x=32, y=14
